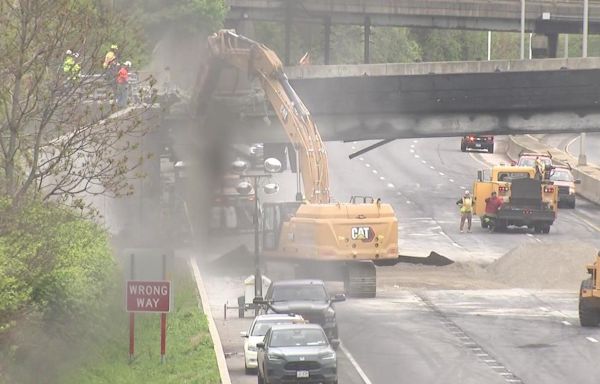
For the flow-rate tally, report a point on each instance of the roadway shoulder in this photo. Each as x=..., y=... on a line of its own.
x=212, y=327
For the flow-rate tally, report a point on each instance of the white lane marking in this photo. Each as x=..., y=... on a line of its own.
x=538, y=240
x=592, y=339
x=353, y=147
x=451, y=180
x=423, y=161
x=374, y=171
x=407, y=201
x=461, y=187
x=399, y=193
x=354, y=142
x=368, y=165
x=417, y=156
x=487, y=165
x=454, y=243
x=359, y=370
x=569, y=144
x=381, y=178
x=595, y=227
x=390, y=185
x=415, y=141
x=361, y=158
x=565, y=322
x=432, y=167
x=411, y=150
x=412, y=145
x=529, y=234
x=441, y=173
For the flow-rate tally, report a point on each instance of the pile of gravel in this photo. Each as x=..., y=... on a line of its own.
x=543, y=266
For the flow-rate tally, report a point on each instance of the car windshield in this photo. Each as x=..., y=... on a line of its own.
x=299, y=293
x=561, y=175
x=298, y=338
x=530, y=161
x=262, y=326
x=502, y=176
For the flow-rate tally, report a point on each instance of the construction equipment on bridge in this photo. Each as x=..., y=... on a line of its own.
x=352, y=235
x=589, y=296
x=528, y=201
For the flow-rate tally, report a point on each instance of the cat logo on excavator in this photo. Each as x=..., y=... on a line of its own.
x=365, y=234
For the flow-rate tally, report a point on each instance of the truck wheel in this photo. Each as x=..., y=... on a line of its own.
x=463, y=147
x=537, y=229
x=360, y=279
x=588, y=315
x=572, y=205
x=546, y=229
x=491, y=149
x=484, y=223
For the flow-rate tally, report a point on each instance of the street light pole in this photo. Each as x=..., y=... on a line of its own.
x=257, y=274
x=584, y=51
x=522, y=29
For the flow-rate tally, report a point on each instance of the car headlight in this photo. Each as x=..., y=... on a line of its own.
x=274, y=357
x=252, y=348
x=328, y=356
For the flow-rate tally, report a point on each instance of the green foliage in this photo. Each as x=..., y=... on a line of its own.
x=190, y=354
x=53, y=263
x=56, y=269
x=187, y=16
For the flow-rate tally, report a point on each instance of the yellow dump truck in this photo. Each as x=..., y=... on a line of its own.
x=589, y=297
x=527, y=200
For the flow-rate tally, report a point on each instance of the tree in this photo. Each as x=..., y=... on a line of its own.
x=185, y=16
x=55, y=140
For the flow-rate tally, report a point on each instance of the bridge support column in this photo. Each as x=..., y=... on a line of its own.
x=552, y=45
x=367, y=29
x=327, y=40
x=288, y=33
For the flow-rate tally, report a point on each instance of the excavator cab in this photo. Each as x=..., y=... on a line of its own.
x=274, y=216
x=362, y=200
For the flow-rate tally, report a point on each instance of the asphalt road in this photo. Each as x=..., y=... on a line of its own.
x=458, y=336
x=423, y=179
x=444, y=336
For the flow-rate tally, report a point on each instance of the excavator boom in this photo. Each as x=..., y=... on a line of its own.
x=258, y=60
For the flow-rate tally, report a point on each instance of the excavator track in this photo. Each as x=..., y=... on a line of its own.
x=360, y=279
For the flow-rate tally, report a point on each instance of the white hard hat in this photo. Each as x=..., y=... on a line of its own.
x=467, y=193
x=76, y=54
x=69, y=52
x=128, y=63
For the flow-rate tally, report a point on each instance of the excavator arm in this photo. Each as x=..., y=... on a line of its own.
x=258, y=60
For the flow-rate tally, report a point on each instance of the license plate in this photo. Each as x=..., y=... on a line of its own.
x=302, y=374
x=478, y=145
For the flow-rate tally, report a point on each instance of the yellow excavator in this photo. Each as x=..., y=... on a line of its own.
x=345, y=239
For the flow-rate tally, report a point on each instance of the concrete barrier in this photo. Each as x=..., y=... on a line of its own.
x=589, y=175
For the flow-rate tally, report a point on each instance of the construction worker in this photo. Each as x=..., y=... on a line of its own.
x=111, y=69
x=71, y=67
x=122, y=84
x=466, y=211
x=492, y=205
x=540, y=168
x=111, y=57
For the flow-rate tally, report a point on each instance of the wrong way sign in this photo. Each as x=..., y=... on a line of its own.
x=148, y=296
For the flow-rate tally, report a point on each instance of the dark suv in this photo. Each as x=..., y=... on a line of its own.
x=307, y=298
x=477, y=142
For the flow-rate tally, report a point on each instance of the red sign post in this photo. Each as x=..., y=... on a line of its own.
x=148, y=296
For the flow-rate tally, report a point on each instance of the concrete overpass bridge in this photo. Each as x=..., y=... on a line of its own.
x=388, y=101
x=548, y=17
